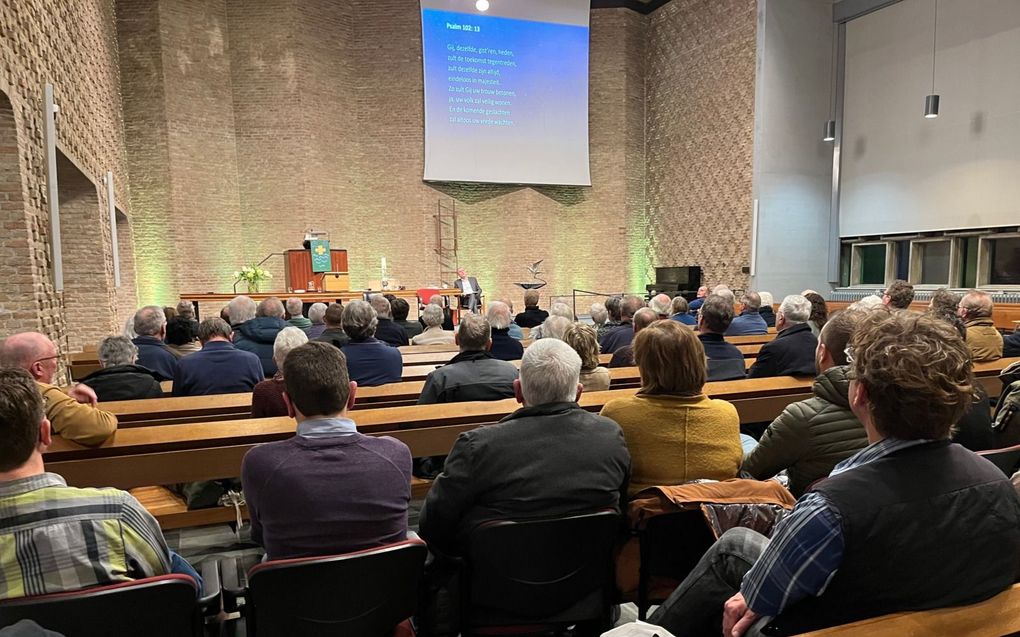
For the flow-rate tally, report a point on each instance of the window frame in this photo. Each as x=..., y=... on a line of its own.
x=917, y=262
x=855, y=263
x=985, y=262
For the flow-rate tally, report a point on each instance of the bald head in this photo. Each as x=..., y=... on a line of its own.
x=661, y=304
x=644, y=317
x=31, y=351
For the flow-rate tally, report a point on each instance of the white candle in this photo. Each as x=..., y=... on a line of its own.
x=384, y=263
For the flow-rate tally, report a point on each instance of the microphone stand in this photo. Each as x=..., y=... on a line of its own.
x=268, y=257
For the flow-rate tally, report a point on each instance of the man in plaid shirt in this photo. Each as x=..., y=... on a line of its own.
x=56, y=538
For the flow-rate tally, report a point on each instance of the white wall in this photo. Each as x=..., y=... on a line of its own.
x=793, y=166
x=904, y=173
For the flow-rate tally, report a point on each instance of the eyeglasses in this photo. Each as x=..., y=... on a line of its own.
x=849, y=352
x=48, y=358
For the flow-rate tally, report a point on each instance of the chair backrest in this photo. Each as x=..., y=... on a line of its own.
x=536, y=569
x=164, y=606
x=1006, y=459
x=363, y=594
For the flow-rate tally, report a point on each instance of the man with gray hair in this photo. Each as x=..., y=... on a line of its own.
x=432, y=318
x=983, y=339
x=504, y=346
x=557, y=309
x=563, y=460
x=624, y=334
x=370, y=362
x=661, y=305
x=386, y=330
x=599, y=315
x=474, y=373
x=219, y=367
x=624, y=357
x=750, y=320
x=553, y=327
x=257, y=334
x=792, y=352
x=317, y=316
x=153, y=354
x=295, y=314
x=120, y=378
x=240, y=309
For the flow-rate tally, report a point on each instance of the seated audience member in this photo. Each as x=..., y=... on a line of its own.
x=623, y=334
x=370, y=362
x=562, y=459
x=514, y=330
x=553, y=327
x=316, y=314
x=899, y=295
x=599, y=315
x=169, y=313
x=714, y=319
x=532, y=316
x=850, y=551
x=613, y=309
x=504, y=346
x=662, y=305
x=182, y=337
x=946, y=305
x=474, y=373
x=792, y=352
x=434, y=333
x=120, y=378
x=557, y=309
x=225, y=314
x=983, y=339
x=682, y=312
x=267, y=397
x=766, y=311
x=291, y=486
x=725, y=292
x=583, y=340
x=624, y=357
x=749, y=321
x=399, y=309
x=811, y=436
x=870, y=302
x=257, y=334
x=386, y=329
x=150, y=326
x=67, y=539
x=696, y=304
x=819, y=312
x=334, y=332
x=674, y=432
x=129, y=328
x=72, y=412
x=295, y=314
x=440, y=301
x=220, y=367
x=1011, y=344
x=185, y=312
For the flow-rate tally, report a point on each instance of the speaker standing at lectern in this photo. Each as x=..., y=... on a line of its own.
x=470, y=291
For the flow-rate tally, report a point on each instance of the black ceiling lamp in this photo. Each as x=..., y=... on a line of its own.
x=830, y=124
x=931, y=101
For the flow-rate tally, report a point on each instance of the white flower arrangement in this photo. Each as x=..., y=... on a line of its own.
x=253, y=275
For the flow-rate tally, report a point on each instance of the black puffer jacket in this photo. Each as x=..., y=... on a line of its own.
x=810, y=437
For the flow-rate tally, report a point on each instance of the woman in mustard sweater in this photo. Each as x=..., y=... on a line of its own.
x=674, y=432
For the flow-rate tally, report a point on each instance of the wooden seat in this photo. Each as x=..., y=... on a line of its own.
x=994, y=617
x=172, y=512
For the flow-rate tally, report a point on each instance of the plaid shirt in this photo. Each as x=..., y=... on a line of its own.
x=807, y=547
x=56, y=538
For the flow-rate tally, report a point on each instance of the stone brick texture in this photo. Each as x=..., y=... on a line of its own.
x=240, y=123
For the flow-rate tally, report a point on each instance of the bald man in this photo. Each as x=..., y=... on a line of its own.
x=72, y=412
x=624, y=357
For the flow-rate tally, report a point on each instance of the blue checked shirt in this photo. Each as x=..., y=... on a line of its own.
x=807, y=546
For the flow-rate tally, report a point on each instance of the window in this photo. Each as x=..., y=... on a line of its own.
x=931, y=262
x=845, y=252
x=969, y=262
x=870, y=263
x=1004, y=261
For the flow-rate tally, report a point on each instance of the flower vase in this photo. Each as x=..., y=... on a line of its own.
x=253, y=287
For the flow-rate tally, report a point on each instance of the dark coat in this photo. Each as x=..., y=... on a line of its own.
x=154, y=355
x=124, y=382
x=617, y=338
x=505, y=347
x=1011, y=345
x=411, y=328
x=218, y=368
x=549, y=460
x=769, y=315
x=531, y=317
x=337, y=337
x=391, y=333
x=469, y=376
x=791, y=353
x=716, y=347
x=257, y=336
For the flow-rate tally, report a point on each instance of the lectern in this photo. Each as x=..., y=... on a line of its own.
x=298, y=271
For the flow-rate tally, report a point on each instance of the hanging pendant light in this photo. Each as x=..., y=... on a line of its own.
x=931, y=101
x=830, y=131
x=830, y=125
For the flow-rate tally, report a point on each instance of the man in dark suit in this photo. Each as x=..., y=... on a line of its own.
x=470, y=291
x=792, y=352
x=387, y=330
x=563, y=460
x=219, y=367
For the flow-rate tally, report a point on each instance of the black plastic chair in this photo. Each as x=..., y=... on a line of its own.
x=545, y=574
x=671, y=545
x=361, y=594
x=1007, y=459
x=164, y=606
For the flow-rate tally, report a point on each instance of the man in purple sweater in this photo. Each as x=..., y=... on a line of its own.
x=329, y=489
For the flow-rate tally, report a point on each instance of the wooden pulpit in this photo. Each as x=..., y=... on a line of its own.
x=298, y=271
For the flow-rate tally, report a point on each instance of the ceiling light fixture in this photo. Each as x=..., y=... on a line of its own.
x=482, y=5
x=931, y=101
x=830, y=124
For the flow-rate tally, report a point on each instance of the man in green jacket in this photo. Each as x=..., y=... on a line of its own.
x=811, y=436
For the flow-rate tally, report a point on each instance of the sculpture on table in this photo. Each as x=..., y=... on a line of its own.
x=532, y=285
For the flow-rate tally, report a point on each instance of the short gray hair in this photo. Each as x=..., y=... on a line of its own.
x=660, y=304
x=561, y=309
x=287, y=339
x=185, y=310
x=599, y=313
x=212, y=327
x=550, y=371
x=555, y=327
x=271, y=307
x=432, y=315
x=725, y=292
x=766, y=299
x=360, y=320
x=295, y=306
x=498, y=315
x=116, y=350
x=381, y=305
x=869, y=302
x=795, y=308
x=149, y=320
x=751, y=300
x=317, y=313
x=241, y=309
x=474, y=333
